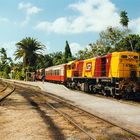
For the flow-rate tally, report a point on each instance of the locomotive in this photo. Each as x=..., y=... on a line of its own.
x=115, y=74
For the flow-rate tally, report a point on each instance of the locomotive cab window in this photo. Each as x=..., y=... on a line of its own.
x=135, y=57
x=69, y=67
x=73, y=66
x=124, y=56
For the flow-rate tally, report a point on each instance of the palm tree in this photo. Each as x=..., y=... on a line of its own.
x=3, y=55
x=124, y=19
x=29, y=49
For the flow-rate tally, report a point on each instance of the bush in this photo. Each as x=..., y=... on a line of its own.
x=4, y=75
x=18, y=75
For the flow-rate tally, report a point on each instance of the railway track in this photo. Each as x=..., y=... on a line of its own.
x=6, y=90
x=73, y=107
x=91, y=126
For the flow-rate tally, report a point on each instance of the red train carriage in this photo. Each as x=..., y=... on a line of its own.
x=56, y=73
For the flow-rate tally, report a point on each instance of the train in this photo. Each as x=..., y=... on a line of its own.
x=115, y=74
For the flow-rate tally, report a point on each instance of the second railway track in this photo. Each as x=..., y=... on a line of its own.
x=6, y=90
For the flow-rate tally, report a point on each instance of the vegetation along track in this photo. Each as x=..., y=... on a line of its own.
x=72, y=121
x=6, y=90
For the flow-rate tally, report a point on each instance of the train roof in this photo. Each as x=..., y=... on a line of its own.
x=55, y=67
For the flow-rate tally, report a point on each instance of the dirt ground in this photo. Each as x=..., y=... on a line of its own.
x=21, y=120
x=13, y=125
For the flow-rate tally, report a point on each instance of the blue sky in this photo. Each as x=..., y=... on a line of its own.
x=53, y=22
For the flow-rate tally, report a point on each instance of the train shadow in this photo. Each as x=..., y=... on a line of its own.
x=55, y=131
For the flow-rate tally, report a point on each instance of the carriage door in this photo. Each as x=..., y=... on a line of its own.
x=103, y=66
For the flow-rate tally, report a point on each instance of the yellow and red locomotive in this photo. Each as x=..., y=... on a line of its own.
x=115, y=74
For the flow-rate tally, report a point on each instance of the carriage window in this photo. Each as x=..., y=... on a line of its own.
x=56, y=72
x=50, y=72
x=124, y=56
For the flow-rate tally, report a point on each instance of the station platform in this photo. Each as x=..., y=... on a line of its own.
x=119, y=113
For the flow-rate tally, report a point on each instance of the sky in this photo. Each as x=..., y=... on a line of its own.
x=52, y=22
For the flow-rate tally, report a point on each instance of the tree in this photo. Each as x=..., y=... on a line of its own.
x=94, y=49
x=67, y=53
x=129, y=43
x=124, y=19
x=29, y=49
x=112, y=35
x=44, y=61
x=57, y=58
x=99, y=48
x=4, y=58
x=83, y=54
x=5, y=63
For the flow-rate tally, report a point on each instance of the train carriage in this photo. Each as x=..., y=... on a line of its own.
x=56, y=73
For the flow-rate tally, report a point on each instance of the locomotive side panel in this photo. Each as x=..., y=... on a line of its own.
x=114, y=69
x=70, y=68
x=88, y=68
x=128, y=65
x=108, y=64
x=97, y=72
x=79, y=68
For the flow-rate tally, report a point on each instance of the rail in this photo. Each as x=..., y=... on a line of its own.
x=53, y=96
x=5, y=93
x=66, y=116
x=75, y=106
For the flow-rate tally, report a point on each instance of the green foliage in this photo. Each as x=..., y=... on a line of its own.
x=94, y=50
x=57, y=58
x=124, y=19
x=5, y=64
x=44, y=61
x=112, y=35
x=105, y=44
x=3, y=56
x=50, y=60
x=4, y=74
x=129, y=43
x=67, y=53
x=29, y=49
x=18, y=75
x=7, y=69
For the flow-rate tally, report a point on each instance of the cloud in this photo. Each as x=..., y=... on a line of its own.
x=29, y=10
x=135, y=25
x=93, y=16
x=75, y=47
x=6, y=20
